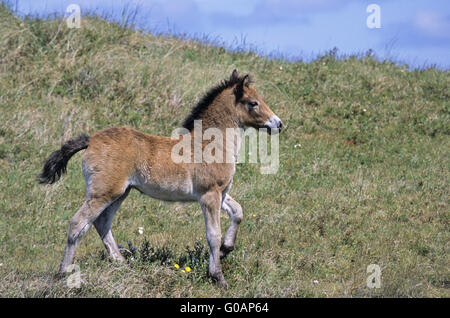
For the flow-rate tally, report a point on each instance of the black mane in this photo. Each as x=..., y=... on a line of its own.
x=207, y=99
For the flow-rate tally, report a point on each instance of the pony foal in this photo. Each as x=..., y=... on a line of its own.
x=119, y=159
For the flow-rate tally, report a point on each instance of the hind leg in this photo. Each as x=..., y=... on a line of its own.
x=78, y=227
x=103, y=226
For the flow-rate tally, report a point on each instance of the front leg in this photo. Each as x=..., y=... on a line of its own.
x=210, y=203
x=234, y=211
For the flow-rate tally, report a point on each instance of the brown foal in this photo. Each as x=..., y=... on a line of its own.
x=119, y=159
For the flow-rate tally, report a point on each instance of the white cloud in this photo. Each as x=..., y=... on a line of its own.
x=433, y=23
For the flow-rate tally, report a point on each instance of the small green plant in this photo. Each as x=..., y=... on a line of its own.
x=197, y=257
x=149, y=254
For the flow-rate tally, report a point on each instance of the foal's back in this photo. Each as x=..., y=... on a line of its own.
x=121, y=157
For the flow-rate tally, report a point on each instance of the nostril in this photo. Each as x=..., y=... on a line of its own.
x=280, y=125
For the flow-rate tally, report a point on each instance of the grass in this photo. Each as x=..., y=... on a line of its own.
x=363, y=175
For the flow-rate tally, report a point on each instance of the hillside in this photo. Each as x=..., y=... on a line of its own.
x=363, y=175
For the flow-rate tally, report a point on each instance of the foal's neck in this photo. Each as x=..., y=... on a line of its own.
x=221, y=113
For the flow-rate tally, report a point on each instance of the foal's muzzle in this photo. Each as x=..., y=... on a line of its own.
x=273, y=125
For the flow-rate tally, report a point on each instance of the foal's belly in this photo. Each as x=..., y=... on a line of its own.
x=166, y=192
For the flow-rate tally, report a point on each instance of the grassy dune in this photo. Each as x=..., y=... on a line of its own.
x=363, y=177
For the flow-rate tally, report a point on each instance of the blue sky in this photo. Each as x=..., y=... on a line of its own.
x=416, y=32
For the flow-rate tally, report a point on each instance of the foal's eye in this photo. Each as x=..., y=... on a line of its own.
x=252, y=104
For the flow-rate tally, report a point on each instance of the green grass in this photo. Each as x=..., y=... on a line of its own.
x=363, y=178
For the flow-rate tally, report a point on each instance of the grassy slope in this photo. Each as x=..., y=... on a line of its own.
x=363, y=172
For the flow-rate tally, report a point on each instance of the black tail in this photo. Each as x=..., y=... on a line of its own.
x=56, y=164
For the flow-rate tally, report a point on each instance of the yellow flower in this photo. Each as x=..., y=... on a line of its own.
x=176, y=266
x=254, y=215
x=183, y=271
x=188, y=269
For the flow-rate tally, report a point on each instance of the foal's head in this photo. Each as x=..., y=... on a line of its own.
x=251, y=110
x=248, y=106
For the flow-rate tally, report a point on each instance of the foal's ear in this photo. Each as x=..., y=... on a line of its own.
x=234, y=76
x=239, y=89
x=247, y=80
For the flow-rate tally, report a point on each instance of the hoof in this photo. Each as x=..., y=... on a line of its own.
x=222, y=283
x=225, y=250
x=60, y=275
x=118, y=258
x=219, y=280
